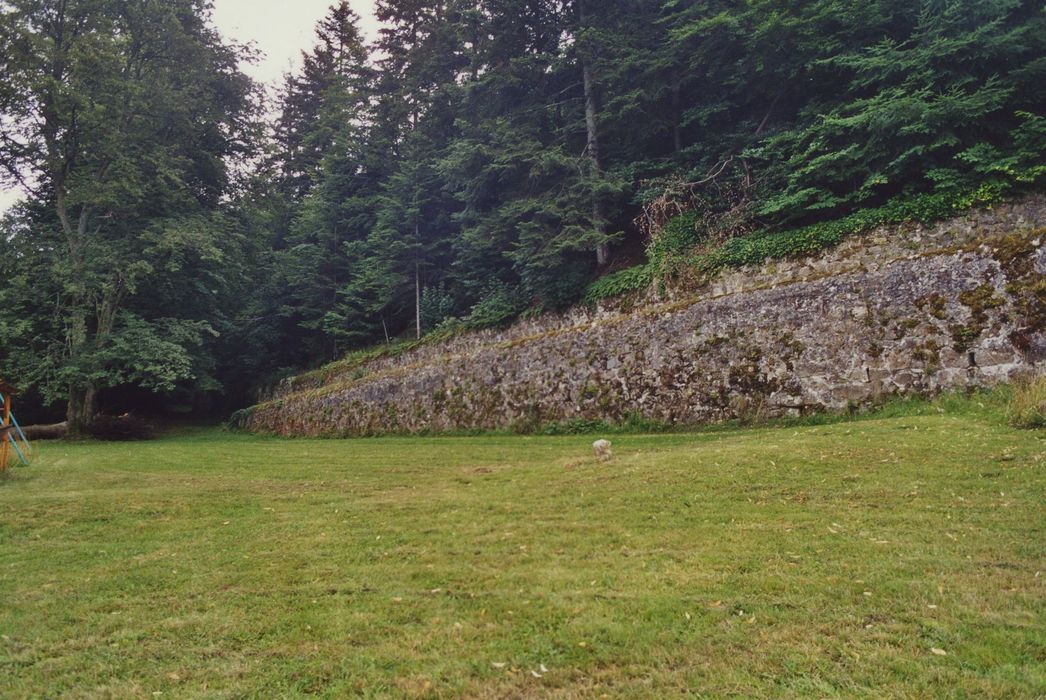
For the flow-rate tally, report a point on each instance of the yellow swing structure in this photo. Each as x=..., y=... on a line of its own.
x=13, y=442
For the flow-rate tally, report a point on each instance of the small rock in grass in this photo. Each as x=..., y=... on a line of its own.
x=601, y=448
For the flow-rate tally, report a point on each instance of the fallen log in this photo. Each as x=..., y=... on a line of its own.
x=54, y=431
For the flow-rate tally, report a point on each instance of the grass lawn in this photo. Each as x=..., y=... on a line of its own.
x=891, y=557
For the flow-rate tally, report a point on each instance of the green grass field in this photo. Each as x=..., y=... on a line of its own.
x=892, y=557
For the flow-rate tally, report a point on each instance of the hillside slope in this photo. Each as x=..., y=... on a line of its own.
x=902, y=310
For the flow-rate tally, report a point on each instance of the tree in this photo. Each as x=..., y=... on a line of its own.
x=326, y=180
x=592, y=132
x=912, y=108
x=121, y=118
x=317, y=100
x=468, y=164
x=534, y=203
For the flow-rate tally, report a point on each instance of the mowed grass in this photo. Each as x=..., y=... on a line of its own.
x=820, y=561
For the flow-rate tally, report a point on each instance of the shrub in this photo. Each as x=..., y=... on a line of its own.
x=925, y=208
x=679, y=234
x=627, y=281
x=1027, y=407
x=240, y=419
x=436, y=305
x=500, y=304
x=576, y=426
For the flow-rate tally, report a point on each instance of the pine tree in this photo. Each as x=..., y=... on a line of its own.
x=308, y=122
x=325, y=180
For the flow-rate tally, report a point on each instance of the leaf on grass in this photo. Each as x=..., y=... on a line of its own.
x=938, y=652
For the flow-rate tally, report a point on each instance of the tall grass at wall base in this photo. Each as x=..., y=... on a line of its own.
x=1027, y=405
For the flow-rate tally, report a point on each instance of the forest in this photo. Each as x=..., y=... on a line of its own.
x=187, y=240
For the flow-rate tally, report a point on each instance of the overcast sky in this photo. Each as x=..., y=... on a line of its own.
x=280, y=29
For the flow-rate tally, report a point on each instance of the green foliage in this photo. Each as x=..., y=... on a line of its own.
x=128, y=120
x=498, y=305
x=1019, y=164
x=502, y=140
x=935, y=98
x=559, y=287
x=436, y=306
x=678, y=235
x=627, y=281
x=157, y=355
x=806, y=240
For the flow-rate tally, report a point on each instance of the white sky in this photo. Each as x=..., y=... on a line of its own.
x=280, y=29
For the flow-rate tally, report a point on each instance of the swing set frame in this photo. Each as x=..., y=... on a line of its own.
x=13, y=442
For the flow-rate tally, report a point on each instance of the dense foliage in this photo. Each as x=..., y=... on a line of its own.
x=123, y=121
x=482, y=158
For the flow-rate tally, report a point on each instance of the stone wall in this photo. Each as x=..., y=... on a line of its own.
x=898, y=311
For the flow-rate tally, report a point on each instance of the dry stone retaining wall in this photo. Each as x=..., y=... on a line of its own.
x=899, y=311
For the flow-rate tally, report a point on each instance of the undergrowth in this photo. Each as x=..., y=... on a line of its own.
x=924, y=209
x=616, y=284
x=682, y=249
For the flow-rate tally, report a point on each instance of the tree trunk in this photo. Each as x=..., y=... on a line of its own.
x=677, y=119
x=80, y=410
x=417, y=299
x=595, y=164
x=54, y=431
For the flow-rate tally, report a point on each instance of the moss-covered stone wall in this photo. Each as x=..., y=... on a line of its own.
x=899, y=311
